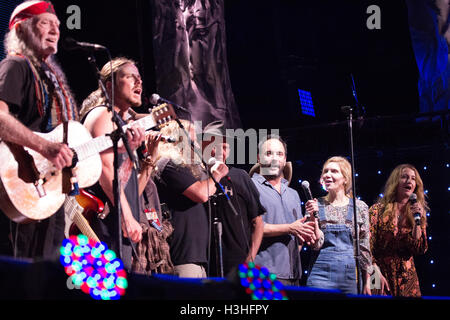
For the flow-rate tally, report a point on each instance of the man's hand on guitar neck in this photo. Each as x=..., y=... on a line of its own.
x=135, y=136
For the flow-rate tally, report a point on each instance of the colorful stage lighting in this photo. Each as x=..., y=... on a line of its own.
x=306, y=103
x=260, y=284
x=93, y=268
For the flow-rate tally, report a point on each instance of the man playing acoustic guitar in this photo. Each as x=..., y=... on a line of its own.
x=34, y=96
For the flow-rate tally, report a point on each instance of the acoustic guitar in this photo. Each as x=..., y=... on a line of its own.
x=80, y=210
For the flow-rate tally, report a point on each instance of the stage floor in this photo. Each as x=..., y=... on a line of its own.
x=45, y=280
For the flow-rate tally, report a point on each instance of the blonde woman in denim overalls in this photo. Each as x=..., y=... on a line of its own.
x=333, y=262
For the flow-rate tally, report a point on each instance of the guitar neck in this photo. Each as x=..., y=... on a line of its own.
x=82, y=224
x=103, y=143
x=75, y=211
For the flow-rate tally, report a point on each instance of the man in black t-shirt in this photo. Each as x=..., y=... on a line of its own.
x=242, y=229
x=34, y=96
x=29, y=67
x=183, y=187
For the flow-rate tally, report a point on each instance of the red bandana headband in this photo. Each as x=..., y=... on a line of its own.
x=29, y=9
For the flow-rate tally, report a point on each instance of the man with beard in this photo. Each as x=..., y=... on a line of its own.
x=284, y=228
x=34, y=96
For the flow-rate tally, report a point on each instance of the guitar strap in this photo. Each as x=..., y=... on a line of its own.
x=66, y=172
x=69, y=178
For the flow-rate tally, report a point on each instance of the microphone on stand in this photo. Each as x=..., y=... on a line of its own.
x=360, y=109
x=305, y=186
x=72, y=44
x=413, y=200
x=156, y=99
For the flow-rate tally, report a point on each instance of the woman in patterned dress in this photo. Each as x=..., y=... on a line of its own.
x=395, y=235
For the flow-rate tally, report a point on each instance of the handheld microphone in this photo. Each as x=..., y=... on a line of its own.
x=168, y=139
x=413, y=200
x=141, y=150
x=156, y=99
x=212, y=161
x=72, y=44
x=305, y=186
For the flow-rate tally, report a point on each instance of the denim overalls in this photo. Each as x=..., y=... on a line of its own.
x=335, y=266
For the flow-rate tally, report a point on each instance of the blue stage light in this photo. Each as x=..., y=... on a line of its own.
x=306, y=103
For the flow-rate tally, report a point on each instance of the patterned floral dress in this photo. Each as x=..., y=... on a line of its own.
x=393, y=249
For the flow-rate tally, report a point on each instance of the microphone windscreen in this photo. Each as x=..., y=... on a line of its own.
x=69, y=44
x=168, y=139
x=211, y=161
x=305, y=184
x=413, y=197
x=154, y=98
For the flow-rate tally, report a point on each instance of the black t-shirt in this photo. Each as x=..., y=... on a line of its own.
x=189, y=240
x=17, y=89
x=245, y=199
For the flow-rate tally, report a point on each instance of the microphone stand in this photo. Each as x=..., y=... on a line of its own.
x=349, y=110
x=115, y=136
x=218, y=186
x=218, y=237
x=360, y=110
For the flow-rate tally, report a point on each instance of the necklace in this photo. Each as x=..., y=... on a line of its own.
x=400, y=212
x=337, y=204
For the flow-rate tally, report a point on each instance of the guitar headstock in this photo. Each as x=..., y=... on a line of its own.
x=163, y=114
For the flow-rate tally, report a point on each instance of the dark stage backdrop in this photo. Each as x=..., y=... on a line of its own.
x=7, y=7
x=271, y=49
x=191, y=66
x=244, y=61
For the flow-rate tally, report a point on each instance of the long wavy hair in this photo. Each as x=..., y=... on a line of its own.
x=390, y=192
x=97, y=97
x=180, y=152
x=346, y=170
x=22, y=40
